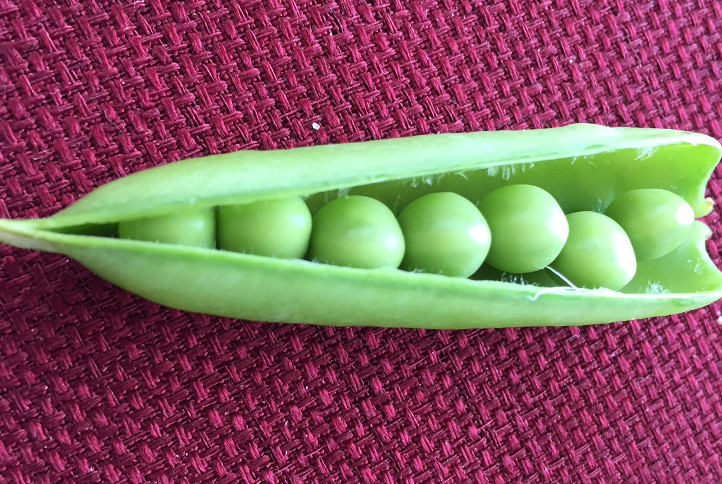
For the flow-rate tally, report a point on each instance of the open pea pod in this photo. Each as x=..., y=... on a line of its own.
x=583, y=166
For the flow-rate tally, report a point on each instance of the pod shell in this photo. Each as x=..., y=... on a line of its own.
x=583, y=166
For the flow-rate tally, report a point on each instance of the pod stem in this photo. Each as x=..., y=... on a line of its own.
x=20, y=233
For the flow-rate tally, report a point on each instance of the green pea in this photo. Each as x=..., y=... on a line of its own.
x=274, y=228
x=444, y=234
x=598, y=253
x=657, y=221
x=191, y=227
x=528, y=228
x=356, y=232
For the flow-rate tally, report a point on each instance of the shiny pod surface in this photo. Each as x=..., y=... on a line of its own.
x=584, y=167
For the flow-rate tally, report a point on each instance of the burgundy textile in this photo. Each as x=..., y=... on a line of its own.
x=97, y=385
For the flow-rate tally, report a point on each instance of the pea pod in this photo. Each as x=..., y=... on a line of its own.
x=584, y=167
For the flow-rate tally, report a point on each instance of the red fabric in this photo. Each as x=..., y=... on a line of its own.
x=97, y=385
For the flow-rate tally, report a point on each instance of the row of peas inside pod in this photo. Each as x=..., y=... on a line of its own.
x=516, y=229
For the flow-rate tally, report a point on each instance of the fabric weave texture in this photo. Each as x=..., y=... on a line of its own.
x=98, y=385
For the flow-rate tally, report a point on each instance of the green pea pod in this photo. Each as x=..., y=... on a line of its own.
x=583, y=166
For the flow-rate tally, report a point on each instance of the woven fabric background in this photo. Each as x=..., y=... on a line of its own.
x=97, y=385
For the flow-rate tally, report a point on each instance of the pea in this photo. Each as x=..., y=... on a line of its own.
x=191, y=227
x=528, y=228
x=657, y=221
x=274, y=228
x=444, y=234
x=598, y=253
x=356, y=231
